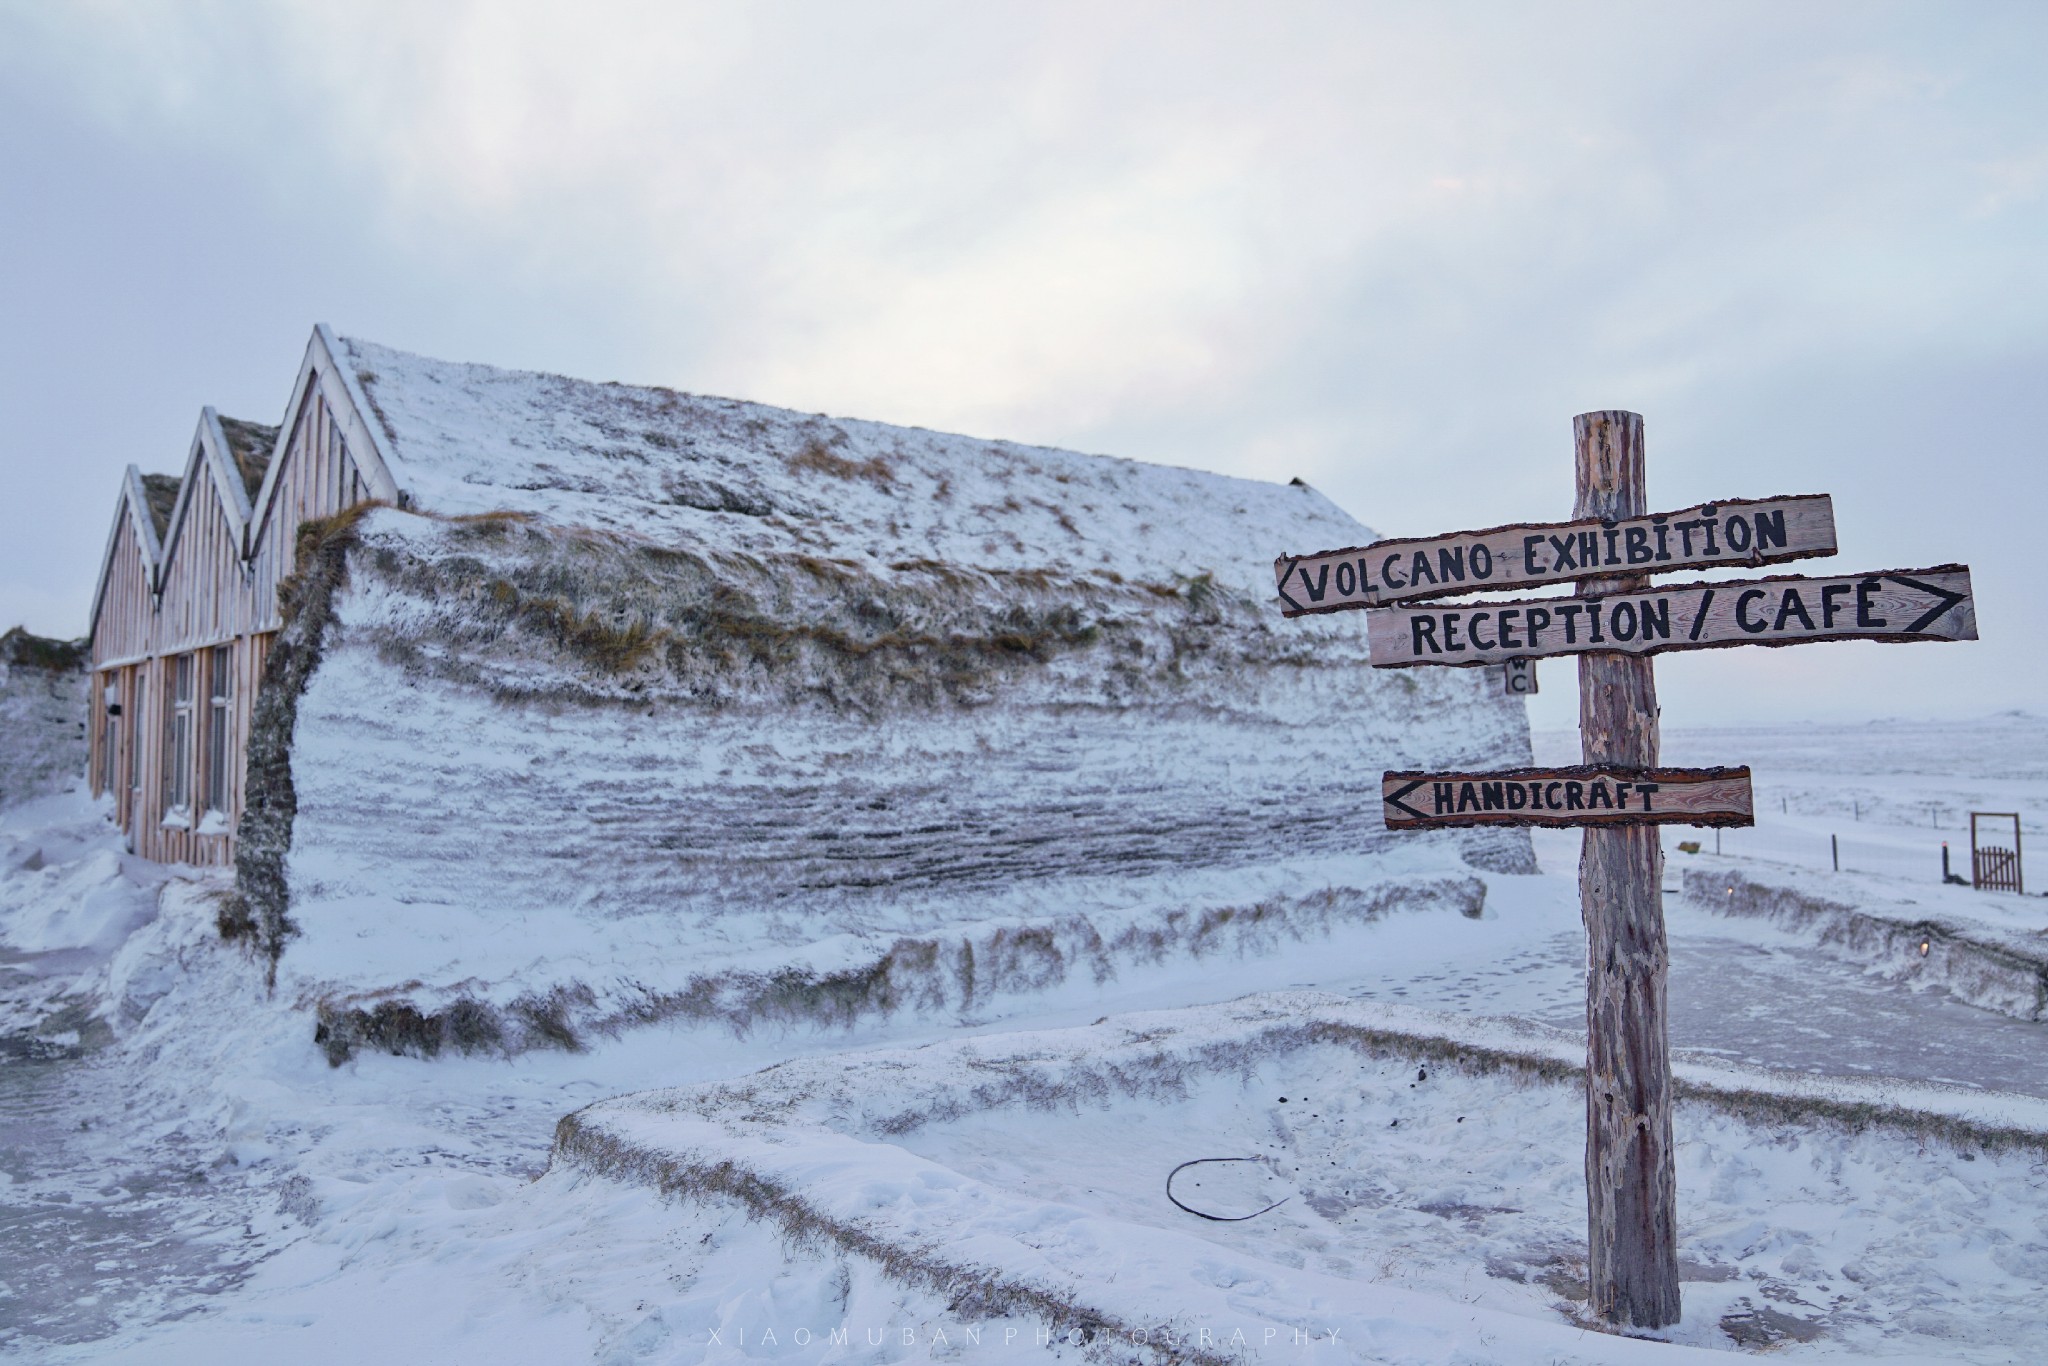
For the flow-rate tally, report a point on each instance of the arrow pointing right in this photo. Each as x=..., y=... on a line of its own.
x=1945, y=598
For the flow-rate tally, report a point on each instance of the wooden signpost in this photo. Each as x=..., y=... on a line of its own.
x=1584, y=796
x=1741, y=533
x=1614, y=622
x=1893, y=604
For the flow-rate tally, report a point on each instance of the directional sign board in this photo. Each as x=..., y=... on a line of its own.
x=1893, y=604
x=1740, y=533
x=1590, y=795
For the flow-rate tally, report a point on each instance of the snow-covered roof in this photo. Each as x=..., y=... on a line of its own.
x=683, y=469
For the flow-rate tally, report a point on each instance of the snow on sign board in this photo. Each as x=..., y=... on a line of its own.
x=1892, y=604
x=1588, y=795
x=1742, y=532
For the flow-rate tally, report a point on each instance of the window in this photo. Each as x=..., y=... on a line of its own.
x=178, y=738
x=220, y=733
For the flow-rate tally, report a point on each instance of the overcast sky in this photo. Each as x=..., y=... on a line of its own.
x=1389, y=249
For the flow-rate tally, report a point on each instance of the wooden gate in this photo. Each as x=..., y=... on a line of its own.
x=1995, y=868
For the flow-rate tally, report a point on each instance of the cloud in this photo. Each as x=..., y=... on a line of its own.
x=1388, y=248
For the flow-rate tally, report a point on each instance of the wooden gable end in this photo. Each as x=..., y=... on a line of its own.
x=124, y=608
x=328, y=460
x=203, y=589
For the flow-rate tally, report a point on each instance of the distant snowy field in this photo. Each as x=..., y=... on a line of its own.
x=183, y=1178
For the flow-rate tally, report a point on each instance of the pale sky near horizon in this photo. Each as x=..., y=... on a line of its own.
x=1390, y=249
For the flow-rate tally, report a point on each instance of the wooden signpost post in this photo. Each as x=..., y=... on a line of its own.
x=1614, y=623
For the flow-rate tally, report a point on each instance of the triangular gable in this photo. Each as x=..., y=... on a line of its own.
x=349, y=408
x=211, y=465
x=132, y=504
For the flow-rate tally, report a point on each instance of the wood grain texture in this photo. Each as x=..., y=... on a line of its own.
x=211, y=590
x=1628, y=616
x=1582, y=796
x=1631, y=1184
x=1739, y=532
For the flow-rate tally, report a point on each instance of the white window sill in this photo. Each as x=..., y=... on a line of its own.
x=215, y=823
x=175, y=820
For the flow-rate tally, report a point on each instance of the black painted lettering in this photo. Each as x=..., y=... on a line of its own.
x=1866, y=595
x=1663, y=541
x=1562, y=547
x=1622, y=621
x=1742, y=611
x=1699, y=620
x=1685, y=530
x=1491, y=798
x=1598, y=798
x=1446, y=797
x=1473, y=631
x=1637, y=538
x=1593, y=624
x=1770, y=530
x=1510, y=617
x=1550, y=796
x=1589, y=549
x=1317, y=586
x=1450, y=564
x=1481, y=560
x=1451, y=641
x=1518, y=796
x=1707, y=529
x=1468, y=797
x=1568, y=612
x=1423, y=628
x=1736, y=532
x=1646, y=789
x=1574, y=796
x=1621, y=791
x=1530, y=545
x=1828, y=593
x=1792, y=605
x=1613, y=547
x=1347, y=579
x=1419, y=570
x=1387, y=573
x=1656, y=615
x=1538, y=618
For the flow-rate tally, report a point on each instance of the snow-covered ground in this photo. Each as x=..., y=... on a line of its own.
x=187, y=1179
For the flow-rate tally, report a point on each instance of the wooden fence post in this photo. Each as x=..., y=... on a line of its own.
x=1631, y=1187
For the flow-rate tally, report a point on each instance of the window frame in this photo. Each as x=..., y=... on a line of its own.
x=180, y=742
x=220, y=713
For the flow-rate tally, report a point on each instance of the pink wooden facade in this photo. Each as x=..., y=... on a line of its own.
x=187, y=607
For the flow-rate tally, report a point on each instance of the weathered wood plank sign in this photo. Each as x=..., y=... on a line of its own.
x=1613, y=621
x=1518, y=677
x=1585, y=795
x=1741, y=532
x=1893, y=604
